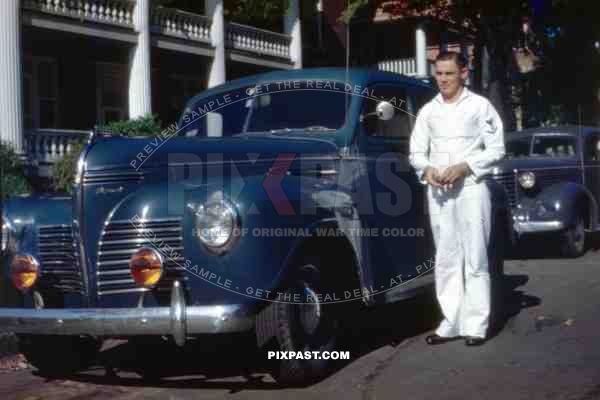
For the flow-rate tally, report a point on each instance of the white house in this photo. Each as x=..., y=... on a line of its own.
x=67, y=65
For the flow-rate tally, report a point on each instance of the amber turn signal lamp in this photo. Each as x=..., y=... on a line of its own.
x=146, y=267
x=24, y=271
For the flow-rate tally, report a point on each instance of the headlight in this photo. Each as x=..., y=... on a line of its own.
x=24, y=271
x=146, y=267
x=216, y=224
x=527, y=180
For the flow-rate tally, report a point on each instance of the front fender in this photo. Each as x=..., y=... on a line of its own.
x=259, y=256
x=24, y=214
x=563, y=202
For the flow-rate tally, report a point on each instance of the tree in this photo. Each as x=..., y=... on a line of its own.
x=494, y=24
x=568, y=36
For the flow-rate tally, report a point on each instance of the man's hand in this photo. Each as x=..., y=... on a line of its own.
x=454, y=173
x=432, y=176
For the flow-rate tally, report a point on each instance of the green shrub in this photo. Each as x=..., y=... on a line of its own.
x=148, y=125
x=63, y=171
x=12, y=174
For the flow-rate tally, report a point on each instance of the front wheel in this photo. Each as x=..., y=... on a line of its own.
x=59, y=356
x=573, y=240
x=306, y=326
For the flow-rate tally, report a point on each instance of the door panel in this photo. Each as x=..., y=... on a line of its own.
x=403, y=243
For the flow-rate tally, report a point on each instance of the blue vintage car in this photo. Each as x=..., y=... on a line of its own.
x=277, y=204
x=552, y=179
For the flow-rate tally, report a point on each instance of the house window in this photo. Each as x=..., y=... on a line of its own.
x=40, y=92
x=111, y=92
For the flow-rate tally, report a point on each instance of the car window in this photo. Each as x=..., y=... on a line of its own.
x=554, y=146
x=592, y=147
x=399, y=125
x=518, y=147
x=277, y=109
x=228, y=109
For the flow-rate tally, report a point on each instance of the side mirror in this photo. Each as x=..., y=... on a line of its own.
x=384, y=111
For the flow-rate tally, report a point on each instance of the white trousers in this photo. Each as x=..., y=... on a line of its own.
x=461, y=219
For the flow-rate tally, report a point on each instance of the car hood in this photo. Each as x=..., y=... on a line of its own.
x=533, y=163
x=122, y=152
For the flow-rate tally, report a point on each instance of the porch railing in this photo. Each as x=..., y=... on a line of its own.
x=181, y=24
x=404, y=66
x=46, y=146
x=114, y=12
x=259, y=41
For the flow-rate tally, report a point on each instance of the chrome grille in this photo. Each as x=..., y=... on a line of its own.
x=120, y=239
x=508, y=180
x=58, y=258
x=113, y=177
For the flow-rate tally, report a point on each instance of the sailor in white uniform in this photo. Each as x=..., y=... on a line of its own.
x=457, y=138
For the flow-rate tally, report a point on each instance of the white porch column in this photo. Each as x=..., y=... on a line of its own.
x=214, y=9
x=421, y=50
x=11, y=79
x=291, y=26
x=140, y=76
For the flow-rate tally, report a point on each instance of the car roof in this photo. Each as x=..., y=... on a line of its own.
x=357, y=76
x=570, y=130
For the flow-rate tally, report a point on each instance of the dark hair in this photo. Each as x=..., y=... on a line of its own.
x=458, y=58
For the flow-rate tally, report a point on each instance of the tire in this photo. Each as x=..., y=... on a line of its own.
x=305, y=327
x=59, y=356
x=573, y=239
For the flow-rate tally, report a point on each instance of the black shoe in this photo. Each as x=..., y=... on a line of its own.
x=437, y=339
x=474, y=341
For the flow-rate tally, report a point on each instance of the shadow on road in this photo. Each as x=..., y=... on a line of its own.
x=508, y=301
x=201, y=363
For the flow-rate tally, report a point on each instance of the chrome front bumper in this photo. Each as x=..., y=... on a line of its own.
x=538, y=226
x=177, y=321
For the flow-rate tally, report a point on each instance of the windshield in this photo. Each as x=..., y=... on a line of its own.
x=549, y=146
x=554, y=146
x=518, y=147
x=272, y=109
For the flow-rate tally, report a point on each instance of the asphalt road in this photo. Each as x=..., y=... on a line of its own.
x=545, y=346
